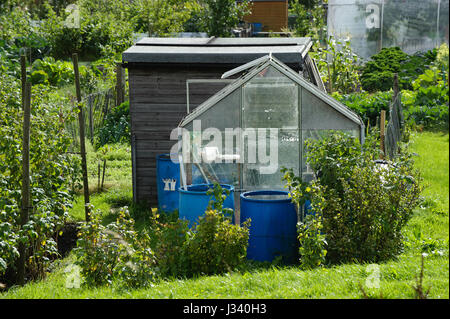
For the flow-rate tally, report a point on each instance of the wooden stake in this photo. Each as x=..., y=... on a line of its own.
x=120, y=83
x=24, y=213
x=91, y=123
x=382, y=131
x=23, y=69
x=103, y=175
x=82, y=137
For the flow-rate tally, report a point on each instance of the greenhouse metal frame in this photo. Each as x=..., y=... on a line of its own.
x=306, y=112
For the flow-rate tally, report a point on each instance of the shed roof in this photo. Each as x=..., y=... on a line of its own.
x=216, y=50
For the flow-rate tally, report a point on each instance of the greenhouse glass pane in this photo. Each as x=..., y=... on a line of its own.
x=270, y=99
x=280, y=150
x=224, y=114
x=413, y=25
x=317, y=115
x=213, y=157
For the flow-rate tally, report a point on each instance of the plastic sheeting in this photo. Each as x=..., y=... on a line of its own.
x=412, y=25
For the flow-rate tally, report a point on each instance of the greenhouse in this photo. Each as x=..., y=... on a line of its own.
x=370, y=25
x=248, y=131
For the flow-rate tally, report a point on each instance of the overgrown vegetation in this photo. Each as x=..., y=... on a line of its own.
x=359, y=207
x=378, y=73
x=116, y=126
x=137, y=248
x=165, y=247
x=338, y=66
x=53, y=171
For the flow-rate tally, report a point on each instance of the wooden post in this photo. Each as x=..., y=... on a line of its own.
x=120, y=84
x=103, y=174
x=382, y=133
x=24, y=213
x=98, y=176
x=91, y=123
x=82, y=137
x=23, y=69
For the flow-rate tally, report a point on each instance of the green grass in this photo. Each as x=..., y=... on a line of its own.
x=427, y=231
x=117, y=190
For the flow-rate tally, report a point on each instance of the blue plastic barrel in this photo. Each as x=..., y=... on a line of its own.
x=257, y=27
x=273, y=227
x=168, y=182
x=194, y=201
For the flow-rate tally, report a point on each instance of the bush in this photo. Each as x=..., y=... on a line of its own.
x=213, y=246
x=367, y=105
x=99, y=27
x=360, y=206
x=166, y=247
x=50, y=71
x=378, y=73
x=116, y=126
x=216, y=245
x=114, y=252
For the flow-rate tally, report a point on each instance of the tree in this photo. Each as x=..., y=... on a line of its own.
x=222, y=15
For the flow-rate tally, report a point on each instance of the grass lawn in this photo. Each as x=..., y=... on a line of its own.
x=427, y=231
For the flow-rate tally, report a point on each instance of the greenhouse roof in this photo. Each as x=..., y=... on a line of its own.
x=216, y=50
x=264, y=62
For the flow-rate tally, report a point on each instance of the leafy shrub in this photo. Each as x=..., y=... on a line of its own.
x=442, y=57
x=170, y=240
x=378, y=72
x=309, y=18
x=338, y=66
x=51, y=71
x=361, y=206
x=367, y=105
x=114, y=252
x=52, y=174
x=116, y=127
x=214, y=245
x=98, y=28
x=431, y=96
x=312, y=248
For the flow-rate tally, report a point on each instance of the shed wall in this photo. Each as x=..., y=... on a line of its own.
x=157, y=105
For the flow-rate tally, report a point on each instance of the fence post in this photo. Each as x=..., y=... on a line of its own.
x=120, y=84
x=25, y=213
x=82, y=137
x=23, y=71
x=91, y=121
x=382, y=132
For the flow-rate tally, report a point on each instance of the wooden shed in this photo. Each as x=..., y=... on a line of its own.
x=272, y=14
x=162, y=70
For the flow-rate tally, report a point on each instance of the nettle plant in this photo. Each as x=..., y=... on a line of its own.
x=359, y=206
